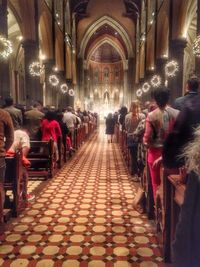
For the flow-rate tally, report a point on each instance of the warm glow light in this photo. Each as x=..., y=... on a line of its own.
x=71, y=92
x=53, y=79
x=156, y=81
x=145, y=88
x=64, y=88
x=35, y=68
x=139, y=93
x=196, y=46
x=171, y=68
x=5, y=47
x=20, y=38
x=42, y=57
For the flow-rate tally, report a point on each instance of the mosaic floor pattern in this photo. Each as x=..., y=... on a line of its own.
x=83, y=217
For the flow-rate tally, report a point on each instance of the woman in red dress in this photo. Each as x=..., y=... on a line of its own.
x=51, y=130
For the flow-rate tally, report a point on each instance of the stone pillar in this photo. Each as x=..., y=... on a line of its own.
x=176, y=51
x=148, y=75
x=160, y=68
x=32, y=84
x=4, y=64
x=60, y=96
x=125, y=91
x=131, y=80
x=48, y=66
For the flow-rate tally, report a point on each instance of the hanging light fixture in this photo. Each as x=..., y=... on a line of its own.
x=145, y=88
x=5, y=47
x=171, y=68
x=71, y=92
x=35, y=68
x=196, y=46
x=139, y=93
x=156, y=81
x=64, y=88
x=53, y=79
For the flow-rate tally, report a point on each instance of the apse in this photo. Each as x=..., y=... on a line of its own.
x=105, y=79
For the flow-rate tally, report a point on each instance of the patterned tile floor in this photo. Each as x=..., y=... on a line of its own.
x=83, y=217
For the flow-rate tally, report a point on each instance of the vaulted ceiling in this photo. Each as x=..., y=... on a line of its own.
x=133, y=7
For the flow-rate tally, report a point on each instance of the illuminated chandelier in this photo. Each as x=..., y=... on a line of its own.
x=156, y=81
x=35, y=68
x=5, y=47
x=196, y=46
x=145, y=88
x=64, y=88
x=53, y=79
x=171, y=68
x=71, y=92
x=139, y=93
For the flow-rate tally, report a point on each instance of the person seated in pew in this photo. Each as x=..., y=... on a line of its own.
x=51, y=130
x=22, y=141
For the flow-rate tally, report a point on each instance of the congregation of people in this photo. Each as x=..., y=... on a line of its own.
x=159, y=135
x=19, y=127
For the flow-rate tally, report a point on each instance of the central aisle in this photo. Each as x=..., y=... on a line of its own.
x=84, y=217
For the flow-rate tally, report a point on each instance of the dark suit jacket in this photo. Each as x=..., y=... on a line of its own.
x=180, y=102
x=187, y=120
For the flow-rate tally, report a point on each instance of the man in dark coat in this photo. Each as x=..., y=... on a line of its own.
x=187, y=120
x=192, y=91
x=186, y=246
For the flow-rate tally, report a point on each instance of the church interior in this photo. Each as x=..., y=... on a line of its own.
x=84, y=60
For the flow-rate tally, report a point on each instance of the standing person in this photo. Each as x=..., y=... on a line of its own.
x=6, y=140
x=70, y=120
x=122, y=114
x=15, y=113
x=110, y=127
x=132, y=119
x=51, y=129
x=159, y=124
x=192, y=88
x=33, y=120
x=186, y=245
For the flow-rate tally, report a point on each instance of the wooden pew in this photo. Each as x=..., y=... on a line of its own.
x=42, y=159
x=16, y=180
x=170, y=196
x=61, y=152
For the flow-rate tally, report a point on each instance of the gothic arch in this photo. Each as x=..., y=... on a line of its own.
x=115, y=25
x=111, y=42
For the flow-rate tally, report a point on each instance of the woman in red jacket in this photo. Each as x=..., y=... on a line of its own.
x=51, y=130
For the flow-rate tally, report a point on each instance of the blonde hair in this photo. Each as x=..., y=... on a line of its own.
x=135, y=106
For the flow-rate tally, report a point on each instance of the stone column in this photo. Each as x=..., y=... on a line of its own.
x=4, y=64
x=32, y=84
x=48, y=66
x=131, y=79
x=176, y=51
x=160, y=68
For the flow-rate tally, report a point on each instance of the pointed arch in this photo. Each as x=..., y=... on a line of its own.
x=115, y=25
x=112, y=43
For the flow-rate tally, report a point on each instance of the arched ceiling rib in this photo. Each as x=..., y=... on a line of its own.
x=132, y=7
